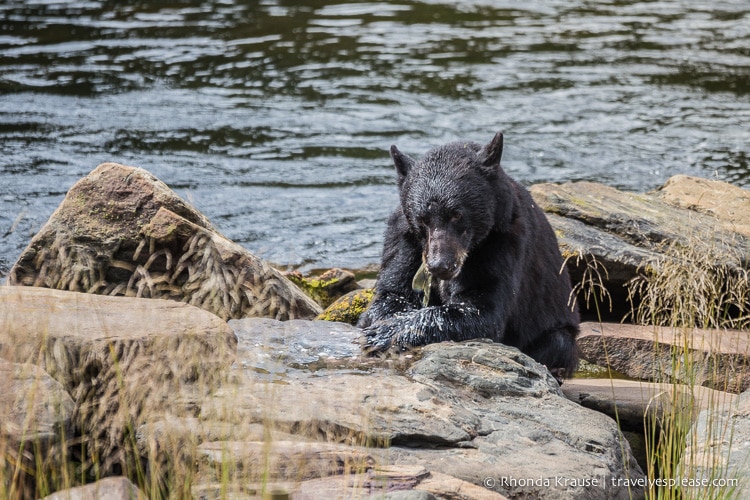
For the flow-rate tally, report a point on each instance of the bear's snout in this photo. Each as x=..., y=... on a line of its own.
x=445, y=255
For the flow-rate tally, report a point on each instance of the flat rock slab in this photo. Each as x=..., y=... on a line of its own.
x=719, y=359
x=55, y=328
x=381, y=482
x=121, y=231
x=303, y=405
x=629, y=401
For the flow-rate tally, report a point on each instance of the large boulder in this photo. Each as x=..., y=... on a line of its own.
x=688, y=227
x=120, y=359
x=303, y=411
x=121, y=231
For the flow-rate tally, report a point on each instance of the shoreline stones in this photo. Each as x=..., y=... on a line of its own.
x=295, y=405
x=444, y=414
x=119, y=359
x=719, y=359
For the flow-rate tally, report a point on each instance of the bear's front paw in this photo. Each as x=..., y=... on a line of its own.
x=378, y=337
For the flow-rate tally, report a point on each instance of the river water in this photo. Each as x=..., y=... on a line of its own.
x=274, y=117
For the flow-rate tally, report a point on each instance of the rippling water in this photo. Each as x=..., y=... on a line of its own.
x=274, y=117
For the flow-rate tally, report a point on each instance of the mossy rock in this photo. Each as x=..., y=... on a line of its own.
x=348, y=308
x=327, y=287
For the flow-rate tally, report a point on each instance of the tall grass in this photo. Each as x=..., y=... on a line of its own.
x=692, y=286
x=687, y=288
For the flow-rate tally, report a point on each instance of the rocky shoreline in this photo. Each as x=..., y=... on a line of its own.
x=145, y=344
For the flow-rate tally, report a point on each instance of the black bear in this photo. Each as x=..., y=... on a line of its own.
x=468, y=254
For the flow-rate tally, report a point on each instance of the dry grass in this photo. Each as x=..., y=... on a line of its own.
x=190, y=269
x=690, y=287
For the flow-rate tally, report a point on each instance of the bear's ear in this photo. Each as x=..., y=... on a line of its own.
x=490, y=155
x=403, y=164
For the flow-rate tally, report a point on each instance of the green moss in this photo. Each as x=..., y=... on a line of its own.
x=315, y=288
x=592, y=371
x=348, y=308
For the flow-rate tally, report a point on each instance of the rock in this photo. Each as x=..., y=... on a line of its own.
x=110, y=488
x=121, y=231
x=727, y=203
x=717, y=452
x=386, y=482
x=629, y=401
x=367, y=283
x=327, y=287
x=348, y=308
x=121, y=359
x=614, y=236
x=304, y=411
x=719, y=359
x=36, y=417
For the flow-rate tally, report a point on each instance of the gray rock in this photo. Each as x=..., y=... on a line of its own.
x=717, y=455
x=295, y=405
x=621, y=235
x=111, y=488
x=302, y=405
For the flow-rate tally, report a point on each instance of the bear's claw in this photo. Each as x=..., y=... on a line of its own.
x=377, y=338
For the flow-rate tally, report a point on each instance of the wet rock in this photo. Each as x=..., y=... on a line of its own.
x=111, y=488
x=719, y=359
x=121, y=231
x=297, y=344
x=717, y=453
x=36, y=416
x=302, y=407
x=121, y=359
x=614, y=236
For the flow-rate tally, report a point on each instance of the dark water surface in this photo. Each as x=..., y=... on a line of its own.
x=274, y=117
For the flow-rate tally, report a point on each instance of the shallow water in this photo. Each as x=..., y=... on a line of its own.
x=274, y=118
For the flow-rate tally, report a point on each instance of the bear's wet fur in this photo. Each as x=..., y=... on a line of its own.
x=468, y=254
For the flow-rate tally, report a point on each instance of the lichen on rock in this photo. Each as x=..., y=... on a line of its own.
x=348, y=308
x=326, y=288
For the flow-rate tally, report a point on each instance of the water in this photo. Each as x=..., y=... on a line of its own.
x=274, y=117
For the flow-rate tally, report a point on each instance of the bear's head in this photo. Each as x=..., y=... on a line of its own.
x=453, y=198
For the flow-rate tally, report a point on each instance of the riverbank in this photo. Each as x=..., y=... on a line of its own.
x=148, y=364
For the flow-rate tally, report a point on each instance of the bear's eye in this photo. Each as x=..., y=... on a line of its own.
x=455, y=217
